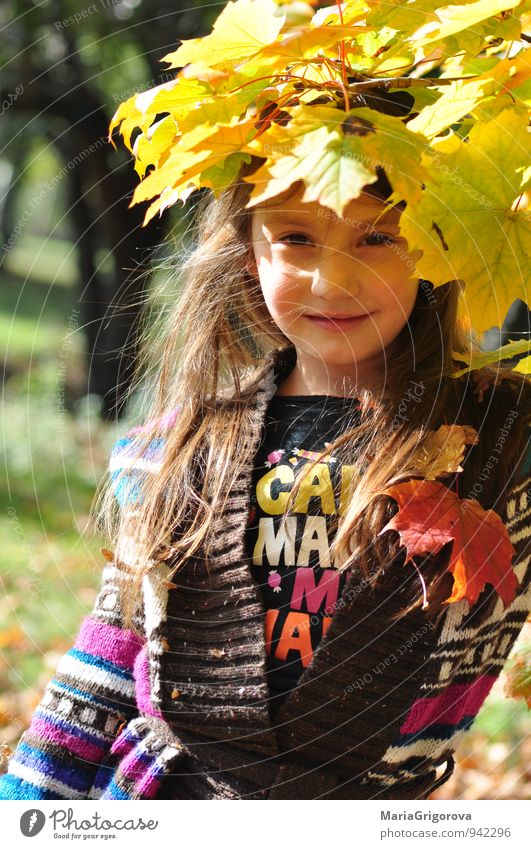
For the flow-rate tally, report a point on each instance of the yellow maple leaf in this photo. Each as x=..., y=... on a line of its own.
x=242, y=28
x=455, y=18
x=469, y=228
x=150, y=147
x=524, y=365
x=199, y=149
x=462, y=96
x=335, y=153
x=299, y=46
x=177, y=96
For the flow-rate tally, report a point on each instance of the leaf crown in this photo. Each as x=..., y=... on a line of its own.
x=436, y=94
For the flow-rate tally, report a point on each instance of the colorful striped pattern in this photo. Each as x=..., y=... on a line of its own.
x=137, y=764
x=75, y=723
x=456, y=703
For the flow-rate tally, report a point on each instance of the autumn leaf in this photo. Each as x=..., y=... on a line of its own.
x=296, y=11
x=302, y=93
x=463, y=96
x=478, y=360
x=455, y=18
x=241, y=30
x=518, y=682
x=524, y=366
x=140, y=110
x=442, y=452
x=431, y=515
x=327, y=149
x=459, y=243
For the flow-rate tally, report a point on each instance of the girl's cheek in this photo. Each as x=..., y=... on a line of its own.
x=285, y=286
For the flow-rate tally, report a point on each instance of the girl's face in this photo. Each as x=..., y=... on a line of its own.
x=340, y=289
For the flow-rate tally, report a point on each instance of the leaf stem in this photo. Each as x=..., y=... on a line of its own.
x=268, y=119
x=423, y=582
x=342, y=58
x=456, y=479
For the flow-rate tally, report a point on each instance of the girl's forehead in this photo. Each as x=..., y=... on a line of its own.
x=362, y=209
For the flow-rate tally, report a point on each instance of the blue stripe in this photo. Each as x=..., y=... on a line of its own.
x=12, y=787
x=120, y=444
x=100, y=663
x=127, y=483
x=112, y=791
x=127, y=488
x=78, y=776
x=151, y=450
x=108, y=705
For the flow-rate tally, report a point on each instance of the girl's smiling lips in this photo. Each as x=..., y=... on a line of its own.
x=336, y=323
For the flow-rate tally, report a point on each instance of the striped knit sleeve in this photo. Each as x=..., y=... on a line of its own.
x=91, y=695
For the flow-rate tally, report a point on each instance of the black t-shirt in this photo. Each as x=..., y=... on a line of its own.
x=298, y=582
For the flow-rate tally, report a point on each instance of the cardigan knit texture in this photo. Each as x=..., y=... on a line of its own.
x=181, y=711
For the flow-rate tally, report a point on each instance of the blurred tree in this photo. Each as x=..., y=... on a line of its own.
x=66, y=66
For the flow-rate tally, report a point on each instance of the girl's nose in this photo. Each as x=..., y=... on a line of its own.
x=336, y=276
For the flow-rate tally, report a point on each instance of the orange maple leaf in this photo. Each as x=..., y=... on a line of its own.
x=432, y=515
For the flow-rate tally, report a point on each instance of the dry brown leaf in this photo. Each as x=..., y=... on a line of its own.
x=443, y=452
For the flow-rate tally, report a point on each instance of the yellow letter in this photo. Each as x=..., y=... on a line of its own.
x=322, y=487
x=274, y=506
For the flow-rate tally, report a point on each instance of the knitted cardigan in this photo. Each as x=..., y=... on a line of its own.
x=181, y=711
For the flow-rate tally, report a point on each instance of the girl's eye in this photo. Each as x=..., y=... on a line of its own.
x=297, y=237
x=381, y=238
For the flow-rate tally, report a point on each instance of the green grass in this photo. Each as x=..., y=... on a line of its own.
x=50, y=568
x=33, y=319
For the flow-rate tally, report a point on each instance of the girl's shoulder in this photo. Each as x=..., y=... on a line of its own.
x=138, y=453
x=525, y=470
x=496, y=398
x=497, y=404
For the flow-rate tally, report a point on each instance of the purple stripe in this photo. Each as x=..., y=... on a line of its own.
x=143, y=685
x=450, y=707
x=76, y=776
x=123, y=744
x=135, y=764
x=92, y=752
x=150, y=783
x=144, y=770
x=114, y=644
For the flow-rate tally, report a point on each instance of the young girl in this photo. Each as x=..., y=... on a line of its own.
x=260, y=633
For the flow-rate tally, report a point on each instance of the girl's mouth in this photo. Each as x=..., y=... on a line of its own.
x=336, y=325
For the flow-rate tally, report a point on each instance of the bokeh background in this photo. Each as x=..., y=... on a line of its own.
x=75, y=269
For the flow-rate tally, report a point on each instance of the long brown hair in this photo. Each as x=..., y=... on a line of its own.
x=204, y=353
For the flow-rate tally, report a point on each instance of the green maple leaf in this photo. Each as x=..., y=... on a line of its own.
x=477, y=360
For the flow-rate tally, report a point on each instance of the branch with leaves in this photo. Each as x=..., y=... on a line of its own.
x=325, y=96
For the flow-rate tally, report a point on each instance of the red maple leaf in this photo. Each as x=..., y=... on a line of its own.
x=432, y=515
